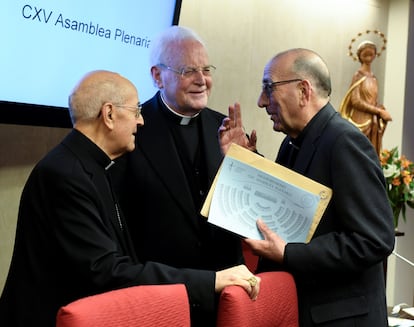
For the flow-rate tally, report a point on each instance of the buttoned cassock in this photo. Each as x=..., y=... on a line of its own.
x=70, y=243
x=162, y=204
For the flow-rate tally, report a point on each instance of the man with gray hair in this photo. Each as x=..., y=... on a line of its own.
x=175, y=160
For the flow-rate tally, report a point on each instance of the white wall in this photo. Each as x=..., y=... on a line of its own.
x=243, y=35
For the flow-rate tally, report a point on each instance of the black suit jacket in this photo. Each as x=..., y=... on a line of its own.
x=339, y=274
x=70, y=242
x=164, y=222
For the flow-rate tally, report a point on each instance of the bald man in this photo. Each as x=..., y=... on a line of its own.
x=339, y=273
x=71, y=239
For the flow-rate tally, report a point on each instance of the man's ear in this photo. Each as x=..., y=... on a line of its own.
x=156, y=76
x=305, y=89
x=107, y=115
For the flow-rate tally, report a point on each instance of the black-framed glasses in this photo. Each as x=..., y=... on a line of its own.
x=269, y=87
x=136, y=109
x=188, y=71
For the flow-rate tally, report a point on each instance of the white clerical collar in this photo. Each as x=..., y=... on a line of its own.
x=185, y=120
x=109, y=165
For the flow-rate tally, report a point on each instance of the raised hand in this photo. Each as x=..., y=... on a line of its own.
x=232, y=131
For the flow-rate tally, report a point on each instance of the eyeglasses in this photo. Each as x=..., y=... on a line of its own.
x=269, y=87
x=191, y=71
x=136, y=110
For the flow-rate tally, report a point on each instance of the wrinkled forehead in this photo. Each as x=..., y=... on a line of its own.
x=275, y=70
x=187, y=53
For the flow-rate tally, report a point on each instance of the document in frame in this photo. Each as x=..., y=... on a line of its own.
x=248, y=187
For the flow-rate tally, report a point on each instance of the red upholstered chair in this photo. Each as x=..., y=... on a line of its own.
x=144, y=306
x=276, y=304
x=251, y=260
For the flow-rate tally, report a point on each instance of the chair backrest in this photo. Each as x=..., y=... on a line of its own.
x=251, y=260
x=276, y=304
x=144, y=306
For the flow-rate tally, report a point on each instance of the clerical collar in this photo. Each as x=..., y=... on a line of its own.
x=181, y=119
x=109, y=165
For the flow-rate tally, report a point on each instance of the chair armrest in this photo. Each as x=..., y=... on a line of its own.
x=149, y=305
x=276, y=304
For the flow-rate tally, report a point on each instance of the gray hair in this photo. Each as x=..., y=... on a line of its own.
x=95, y=89
x=161, y=45
x=310, y=65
